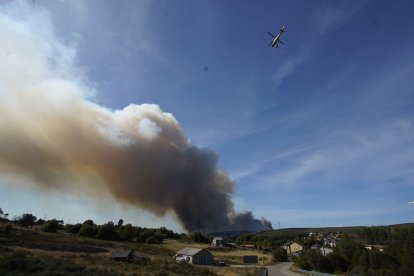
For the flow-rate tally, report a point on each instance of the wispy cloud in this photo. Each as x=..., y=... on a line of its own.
x=286, y=69
x=259, y=165
x=370, y=157
x=331, y=17
x=325, y=20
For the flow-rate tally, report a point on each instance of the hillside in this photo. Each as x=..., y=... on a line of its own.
x=31, y=250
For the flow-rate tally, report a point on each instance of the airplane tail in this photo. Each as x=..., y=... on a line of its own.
x=282, y=29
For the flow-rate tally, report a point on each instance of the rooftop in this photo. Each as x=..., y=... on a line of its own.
x=189, y=251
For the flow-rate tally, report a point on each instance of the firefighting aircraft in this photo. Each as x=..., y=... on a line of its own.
x=276, y=39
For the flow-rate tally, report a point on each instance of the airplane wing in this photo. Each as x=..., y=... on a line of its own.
x=271, y=34
x=281, y=41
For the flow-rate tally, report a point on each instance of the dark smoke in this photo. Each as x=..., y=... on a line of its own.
x=50, y=133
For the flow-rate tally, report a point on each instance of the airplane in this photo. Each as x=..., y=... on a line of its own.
x=276, y=39
x=412, y=202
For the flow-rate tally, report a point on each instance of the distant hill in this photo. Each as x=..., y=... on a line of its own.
x=229, y=234
x=300, y=231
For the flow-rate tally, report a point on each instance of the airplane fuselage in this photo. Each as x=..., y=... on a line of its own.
x=276, y=40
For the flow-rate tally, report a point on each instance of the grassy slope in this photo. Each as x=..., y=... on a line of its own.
x=20, y=254
x=30, y=250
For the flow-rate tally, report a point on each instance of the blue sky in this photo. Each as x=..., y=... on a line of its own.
x=318, y=132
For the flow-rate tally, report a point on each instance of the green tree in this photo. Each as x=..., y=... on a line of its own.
x=244, y=239
x=89, y=222
x=280, y=255
x=127, y=232
x=158, y=236
x=313, y=260
x=338, y=261
x=27, y=220
x=407, y=258
x=107, y=232
x=347, y=247
x=144, y=235
x=40, y=222
x=3, y=216
x=50, y=226
x=199, y=237
x=151, y=240
x=87, y=230
x=73, y=228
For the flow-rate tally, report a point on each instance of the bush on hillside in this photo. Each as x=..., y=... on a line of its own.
x=50, y=226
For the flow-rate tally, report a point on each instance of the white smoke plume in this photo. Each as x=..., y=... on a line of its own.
x=53, y=134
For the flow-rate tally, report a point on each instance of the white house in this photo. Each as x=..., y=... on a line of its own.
x=194, y=256
x=217, y=242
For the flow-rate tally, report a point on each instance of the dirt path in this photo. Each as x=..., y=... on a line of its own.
x=281, y=269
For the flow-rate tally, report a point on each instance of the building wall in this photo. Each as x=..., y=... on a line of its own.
x=202, y=258
x=295, y=247
x=217, y=242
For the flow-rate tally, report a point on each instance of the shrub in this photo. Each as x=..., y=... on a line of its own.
x=107, y=232
x=50, y=226
x=73, y=228
x=87, y=231
x=313, y=260
x=151, y=240
x=199, y=237
x=280, y=255
x=7, y=229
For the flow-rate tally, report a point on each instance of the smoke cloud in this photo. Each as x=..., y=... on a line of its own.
x=52, y=133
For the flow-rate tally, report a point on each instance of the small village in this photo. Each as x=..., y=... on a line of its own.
x=124, y=249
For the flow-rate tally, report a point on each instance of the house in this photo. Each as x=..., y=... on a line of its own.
x=324, y=251
x=316, y=246
x=292, y=247
x=287, y=245
x=125, y=255
x=194, y=256
x=217, y=242
x=330, y=241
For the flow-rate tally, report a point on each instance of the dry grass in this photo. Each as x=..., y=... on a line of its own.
x=236, y=256
x=159, y=256
x=231, y=256
x=175, y=245
x=237, y=271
